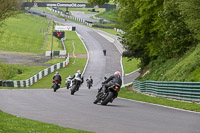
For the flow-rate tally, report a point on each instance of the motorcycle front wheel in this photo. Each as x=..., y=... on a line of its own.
x=68, y=85
x=108, y=98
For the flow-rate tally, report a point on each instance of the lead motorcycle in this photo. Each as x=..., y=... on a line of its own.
x=76, y=82
x=108, y=96
x=56, y=85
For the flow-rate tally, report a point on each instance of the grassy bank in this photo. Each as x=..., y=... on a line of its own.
x=13, y=124
x=110, y=15
x=26, y=33
x=73, y=39
x=186, y=68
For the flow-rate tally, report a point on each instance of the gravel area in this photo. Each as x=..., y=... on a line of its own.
x=21, y=58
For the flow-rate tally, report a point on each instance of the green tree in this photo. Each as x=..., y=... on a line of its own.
x=138, y=19
x=175, y=34
x=190, y=9
x=9, y=8
x=97, y=2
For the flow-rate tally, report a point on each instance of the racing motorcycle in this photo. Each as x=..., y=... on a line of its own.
x=108, y=96
x=56, y=85
x=76, y=82
x=68, y=82
x=89, y=84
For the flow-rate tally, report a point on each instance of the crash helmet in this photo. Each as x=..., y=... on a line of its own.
x=117, y=73
x=57, y=72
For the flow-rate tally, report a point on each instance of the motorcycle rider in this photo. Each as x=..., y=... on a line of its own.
x=116, y=78
x=89, y=80
x=78, y=74
x=68, y=81
x=57, y=78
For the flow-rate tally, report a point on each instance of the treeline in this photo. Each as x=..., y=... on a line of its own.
x=158, y=29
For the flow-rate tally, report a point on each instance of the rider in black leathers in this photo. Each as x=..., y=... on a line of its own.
x=57, y=77
x=116, y=78
x=89, y=81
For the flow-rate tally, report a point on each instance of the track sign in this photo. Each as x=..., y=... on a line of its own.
x=63, y=28
x=59, y=35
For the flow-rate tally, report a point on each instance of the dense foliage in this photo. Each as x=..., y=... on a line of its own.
x=156, y=30
x=97, y=2
x=8, y=8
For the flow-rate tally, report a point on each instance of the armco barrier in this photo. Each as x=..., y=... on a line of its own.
x=189, y=91
x=36, y=77
x=119, y=30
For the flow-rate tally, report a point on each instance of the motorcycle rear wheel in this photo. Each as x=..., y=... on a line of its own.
x=73, y=89
x=54, y=87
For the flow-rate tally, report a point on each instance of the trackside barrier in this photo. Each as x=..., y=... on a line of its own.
x=189, y=91
x=82, y=20
x=72, y=17
x=119, y=30
x=36, y=13
x=36, y=77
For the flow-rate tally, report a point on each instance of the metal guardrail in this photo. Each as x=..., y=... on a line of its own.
x=189, y=91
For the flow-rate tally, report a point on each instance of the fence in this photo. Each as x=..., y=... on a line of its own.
x=36, y=77
x=189, y=91
x=36, y=13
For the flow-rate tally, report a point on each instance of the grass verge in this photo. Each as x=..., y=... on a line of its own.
x=130, y=65
x=128, y=93
x=24, y=33
x=111, y=15
x=185, y=69
x=13, y=124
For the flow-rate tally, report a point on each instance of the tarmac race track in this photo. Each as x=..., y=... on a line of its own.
x=79, y=112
